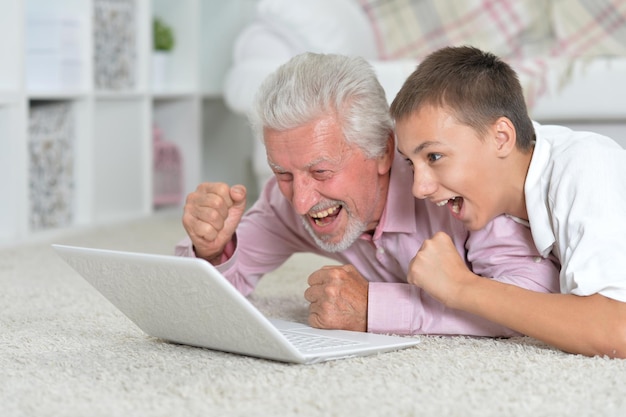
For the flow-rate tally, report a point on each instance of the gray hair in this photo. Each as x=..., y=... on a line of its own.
x=311, y=85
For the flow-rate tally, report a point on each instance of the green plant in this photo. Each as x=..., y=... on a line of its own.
x=163, y=35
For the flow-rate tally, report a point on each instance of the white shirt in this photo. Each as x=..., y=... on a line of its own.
x=576, y=201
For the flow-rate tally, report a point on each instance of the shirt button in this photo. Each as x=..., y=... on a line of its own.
x=381, y=251
x=538, y=259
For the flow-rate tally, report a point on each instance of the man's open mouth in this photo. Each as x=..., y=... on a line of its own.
x=326, y=216
x=455, y=203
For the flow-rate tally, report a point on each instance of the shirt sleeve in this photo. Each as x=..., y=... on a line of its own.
x=399, y=308
x=185, y=248
x=503, y=251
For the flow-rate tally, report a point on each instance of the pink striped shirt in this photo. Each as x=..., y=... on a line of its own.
x=270, y=232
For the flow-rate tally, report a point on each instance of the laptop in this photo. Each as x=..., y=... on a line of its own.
x=188, y=301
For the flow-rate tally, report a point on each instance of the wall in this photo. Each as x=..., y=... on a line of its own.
x=227, y=147
x=226, y=152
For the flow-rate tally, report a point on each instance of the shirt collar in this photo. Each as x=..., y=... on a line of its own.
x=536, y=192
x=399, y=212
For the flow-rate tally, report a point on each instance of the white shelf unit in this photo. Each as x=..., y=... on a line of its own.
x=53, y=58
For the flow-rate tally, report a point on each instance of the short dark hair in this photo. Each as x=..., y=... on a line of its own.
x=477, y=86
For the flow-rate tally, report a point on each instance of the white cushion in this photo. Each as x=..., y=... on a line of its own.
x=243, y=80
x=327, y=26
x=257, y=41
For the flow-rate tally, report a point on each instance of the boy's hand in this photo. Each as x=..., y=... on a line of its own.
x=211, y=216
x=439, y=270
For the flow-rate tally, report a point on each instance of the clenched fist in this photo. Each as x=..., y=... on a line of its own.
x=338, y=297
x=439, y=270
x=211, y=215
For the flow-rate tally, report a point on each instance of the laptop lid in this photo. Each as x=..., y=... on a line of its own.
x=188, y=301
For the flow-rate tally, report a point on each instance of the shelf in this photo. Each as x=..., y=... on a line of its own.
x=58, y=95
x=121, y=95
x=57, y=46
x=182, y=69
x=173, y=95
x=92, y=61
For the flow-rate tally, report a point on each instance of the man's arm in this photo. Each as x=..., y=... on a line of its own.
x=406, y=309
x=267, y=235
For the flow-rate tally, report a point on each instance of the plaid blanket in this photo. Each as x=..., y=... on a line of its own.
x=531, y=35
x=414, y=28
x=589, y=27
x=511, y=29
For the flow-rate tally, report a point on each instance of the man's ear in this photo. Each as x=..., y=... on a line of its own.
x=505, y=137
x=386, y=160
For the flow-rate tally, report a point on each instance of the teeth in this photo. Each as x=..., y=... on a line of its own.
x=455, y=206
x=324, y=213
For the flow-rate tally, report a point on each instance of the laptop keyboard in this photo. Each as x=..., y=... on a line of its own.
x=310, y=342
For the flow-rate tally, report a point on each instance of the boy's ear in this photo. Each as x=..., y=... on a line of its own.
x=505, y=137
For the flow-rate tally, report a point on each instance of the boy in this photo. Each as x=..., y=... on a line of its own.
x=463, y=126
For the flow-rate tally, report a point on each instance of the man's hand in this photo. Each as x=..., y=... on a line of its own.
x=338, y=297
x=439, y=270
x=211, y=215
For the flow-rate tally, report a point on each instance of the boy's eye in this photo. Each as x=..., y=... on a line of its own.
x=434, y=157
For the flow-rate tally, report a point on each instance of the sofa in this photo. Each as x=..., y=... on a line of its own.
x=570, y=54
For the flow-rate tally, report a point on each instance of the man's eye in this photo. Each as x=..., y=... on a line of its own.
x=409, y=162
x=283, y=176
x=321, y=174
x=434, y=157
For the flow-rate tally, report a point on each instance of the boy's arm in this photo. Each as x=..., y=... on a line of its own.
x=592, y=325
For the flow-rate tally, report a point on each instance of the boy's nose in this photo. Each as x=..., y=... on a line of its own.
x=423, y=184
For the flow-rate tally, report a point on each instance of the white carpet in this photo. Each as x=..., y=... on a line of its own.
x=65, y=351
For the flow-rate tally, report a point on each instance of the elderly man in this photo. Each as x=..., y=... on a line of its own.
x=340, y=190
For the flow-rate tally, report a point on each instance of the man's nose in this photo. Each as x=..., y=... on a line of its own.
x=304, y=194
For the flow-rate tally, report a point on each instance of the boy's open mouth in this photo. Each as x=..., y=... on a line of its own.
x=324, y=217
x=455, y=204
